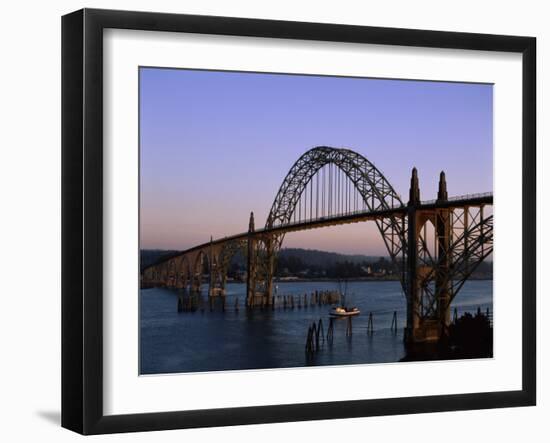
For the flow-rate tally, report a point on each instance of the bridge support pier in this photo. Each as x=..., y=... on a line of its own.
x=212, y=272
x=443, y=236
x=196, y=285
x=270, y=258
x=413, y=300
x=424, y=324
x=251, y=264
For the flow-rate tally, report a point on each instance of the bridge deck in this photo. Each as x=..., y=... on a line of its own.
x=347, y=218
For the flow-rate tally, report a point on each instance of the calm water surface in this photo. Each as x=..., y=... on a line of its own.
x=213, y=340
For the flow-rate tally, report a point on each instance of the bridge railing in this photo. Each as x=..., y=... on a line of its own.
x=460, y=198
x=395, y=205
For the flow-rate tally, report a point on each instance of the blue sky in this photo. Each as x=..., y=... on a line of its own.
x=216, y=145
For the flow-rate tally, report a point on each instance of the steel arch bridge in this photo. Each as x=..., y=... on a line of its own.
x=346, y=169
x=434, y=245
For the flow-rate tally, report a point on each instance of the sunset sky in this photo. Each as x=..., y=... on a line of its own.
x=216, y=145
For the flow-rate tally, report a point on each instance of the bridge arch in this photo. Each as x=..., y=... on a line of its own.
x=224, y=258
x=197, y=269
x=183, y=271
x=375, y=190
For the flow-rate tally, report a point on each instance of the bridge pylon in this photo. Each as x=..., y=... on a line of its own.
x=428, y=263
x=443, y=241
x=411, y=284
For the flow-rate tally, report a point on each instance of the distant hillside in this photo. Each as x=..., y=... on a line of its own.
x=314, y=264
x=307, y=263
x=314, y=257
x=149, y=256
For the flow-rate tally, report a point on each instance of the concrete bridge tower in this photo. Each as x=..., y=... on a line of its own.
x=422, y=324
x=443, y=233
x=251, y=263
x=413, y=293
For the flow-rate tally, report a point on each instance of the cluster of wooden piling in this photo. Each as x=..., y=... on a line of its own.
x=192, y=303
x=315, y=337
x=316, y=298
x=315, y=331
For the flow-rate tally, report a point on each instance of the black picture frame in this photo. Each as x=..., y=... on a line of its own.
x=82, y=218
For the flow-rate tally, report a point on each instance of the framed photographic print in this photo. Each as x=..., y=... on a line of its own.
x=269, y=221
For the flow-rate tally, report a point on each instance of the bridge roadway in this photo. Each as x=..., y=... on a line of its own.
x=469, y=200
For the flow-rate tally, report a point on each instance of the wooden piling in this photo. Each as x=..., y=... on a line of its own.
x=349, y=327
x=315, y=335
x=394, y=322
x=309, y=341
x=320, y=330
x=330, y=331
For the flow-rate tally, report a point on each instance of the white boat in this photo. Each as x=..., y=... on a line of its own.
x=341, y=311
